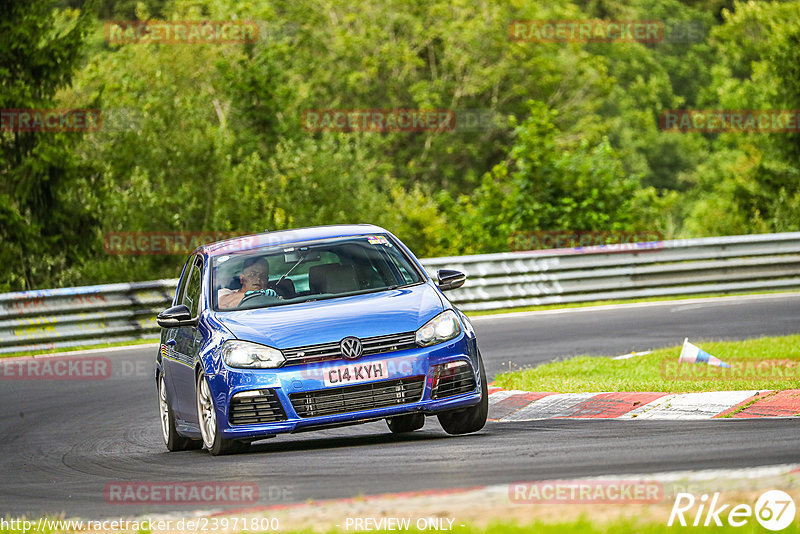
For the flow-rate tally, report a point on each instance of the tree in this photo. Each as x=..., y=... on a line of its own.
x=750, y=182
x=41, y=181
x=551, y=183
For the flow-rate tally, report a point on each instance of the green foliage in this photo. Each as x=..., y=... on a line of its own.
x=209, y=137
x=751, y=182
x=551, y=183
x=43, y=216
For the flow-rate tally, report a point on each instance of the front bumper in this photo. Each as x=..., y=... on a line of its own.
x=285, y=381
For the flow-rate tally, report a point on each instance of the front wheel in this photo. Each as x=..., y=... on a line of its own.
x=174, y=441
x=207, y=417
x=406, y=423
x=470, y=419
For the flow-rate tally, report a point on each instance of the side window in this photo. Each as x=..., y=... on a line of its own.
x=395, y=269
x=407, y=278
x=191, y=297
x=182, y=282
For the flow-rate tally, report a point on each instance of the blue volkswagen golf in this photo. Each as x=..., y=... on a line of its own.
x=313, y=328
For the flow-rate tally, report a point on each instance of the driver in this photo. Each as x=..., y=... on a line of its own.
x=254, y=278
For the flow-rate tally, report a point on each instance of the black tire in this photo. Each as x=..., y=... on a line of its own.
x=174, y=441
x=470, y=419
x=212, y=438
x=405, y=423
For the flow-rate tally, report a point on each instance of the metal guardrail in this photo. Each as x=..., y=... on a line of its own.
x=60, y=318
x=76, y=316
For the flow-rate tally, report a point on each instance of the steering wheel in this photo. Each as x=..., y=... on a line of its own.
x=251, y=298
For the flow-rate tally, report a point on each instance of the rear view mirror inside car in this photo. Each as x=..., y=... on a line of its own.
x=307, y=255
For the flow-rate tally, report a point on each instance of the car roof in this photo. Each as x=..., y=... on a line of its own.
x=285, y=237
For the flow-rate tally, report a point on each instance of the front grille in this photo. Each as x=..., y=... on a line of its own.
x=255, y=407
x=359, y=397
x=451, y=379
x=330, y=351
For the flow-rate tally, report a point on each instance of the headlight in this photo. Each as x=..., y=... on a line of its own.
x=441, y=328
x=251, y=355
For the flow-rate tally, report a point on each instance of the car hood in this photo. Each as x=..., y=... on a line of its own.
x=327, y=321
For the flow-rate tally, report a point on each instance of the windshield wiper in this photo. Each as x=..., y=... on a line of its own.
x=293, y=266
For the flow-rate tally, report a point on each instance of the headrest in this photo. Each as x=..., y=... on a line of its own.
x=332, y=278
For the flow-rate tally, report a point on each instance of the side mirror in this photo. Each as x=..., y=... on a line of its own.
x=176, y=316
x=450, y=279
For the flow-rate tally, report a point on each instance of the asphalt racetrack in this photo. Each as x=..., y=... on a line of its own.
x=63, y=442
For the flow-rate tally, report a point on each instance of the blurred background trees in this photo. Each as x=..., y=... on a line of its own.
x=42, y=214
x=208, y=137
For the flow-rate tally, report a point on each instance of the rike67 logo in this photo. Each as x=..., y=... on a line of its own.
x=774, y=510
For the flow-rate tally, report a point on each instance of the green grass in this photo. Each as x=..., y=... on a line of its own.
x=581, y=525
x=659, y=370
x=746, y=405
x=545, y=307
x=584, y=525
x=81, y=347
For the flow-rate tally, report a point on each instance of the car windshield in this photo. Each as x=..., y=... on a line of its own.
x=288, y=274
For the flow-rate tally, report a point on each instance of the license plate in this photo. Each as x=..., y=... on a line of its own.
x=355, y=373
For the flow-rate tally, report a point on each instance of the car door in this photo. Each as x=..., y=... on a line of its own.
x=170, y=359
x=187, y=344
